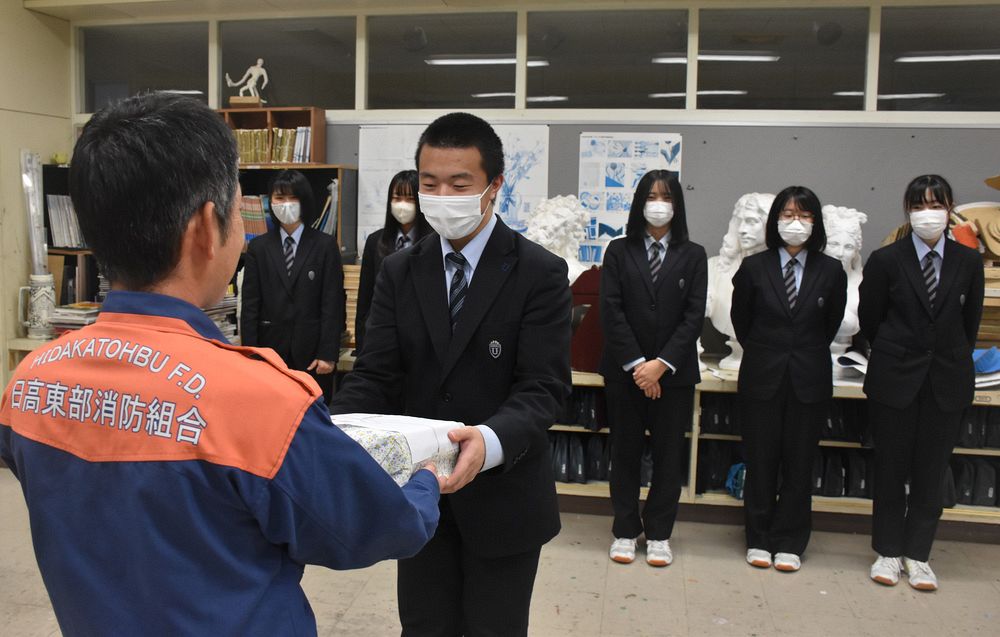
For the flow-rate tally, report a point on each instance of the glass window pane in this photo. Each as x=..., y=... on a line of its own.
x=463, y=60
x=940, y=59
x=607, y=59
x=120, y=61
x=308, y=61
x=806, y=59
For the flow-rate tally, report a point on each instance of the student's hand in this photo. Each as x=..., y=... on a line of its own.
x=322, y=367
x=471, y=456
x=648, y=374
x=652, y=392
x=441, y=480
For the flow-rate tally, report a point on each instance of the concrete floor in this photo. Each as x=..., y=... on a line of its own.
x=709, y=589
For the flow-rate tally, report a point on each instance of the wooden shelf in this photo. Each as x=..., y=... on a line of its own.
x=70, y=252
x=601, y=489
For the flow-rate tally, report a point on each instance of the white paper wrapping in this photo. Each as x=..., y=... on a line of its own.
x=402, y=444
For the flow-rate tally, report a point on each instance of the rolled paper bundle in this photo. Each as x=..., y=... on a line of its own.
x=402, y=444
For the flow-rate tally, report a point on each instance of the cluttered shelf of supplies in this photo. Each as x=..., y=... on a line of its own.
x=841, y=465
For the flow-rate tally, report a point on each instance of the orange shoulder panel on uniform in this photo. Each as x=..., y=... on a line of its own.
x=150, y=388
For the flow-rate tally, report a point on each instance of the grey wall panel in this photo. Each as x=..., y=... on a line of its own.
x=862, y=167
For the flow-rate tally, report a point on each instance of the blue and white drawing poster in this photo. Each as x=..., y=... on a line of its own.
x=384, y=150
x=611, y=164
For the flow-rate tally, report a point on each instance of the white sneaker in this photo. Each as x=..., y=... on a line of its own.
x=759, y=558
x=922, y=577
x=658, y=553
x=885, y=570
x=788, y=562
x=623, y=550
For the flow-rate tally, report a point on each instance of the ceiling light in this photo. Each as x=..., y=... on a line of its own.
x=670, y=59
x=488, y=95
x=736, y=57
x=548, y=98
x=722, y=92
x=849, y=94
x=177, y=91
x=950, y=57
x=478, y=61
x=910, y=96
x=657, y=96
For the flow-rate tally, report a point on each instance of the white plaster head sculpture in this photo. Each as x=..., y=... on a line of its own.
x=559, y=224
x=843, y=242
x=744, y=236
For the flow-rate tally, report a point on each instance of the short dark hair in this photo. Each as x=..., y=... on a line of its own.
x=141, y=168
x=807, y=201
x=464, y=130
x=939, y=187
x=636, y=226
x=405, y=182
x=294, y=184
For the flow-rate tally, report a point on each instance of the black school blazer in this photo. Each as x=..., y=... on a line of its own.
x=776, y=339
x=909, y=339
x=644, y=320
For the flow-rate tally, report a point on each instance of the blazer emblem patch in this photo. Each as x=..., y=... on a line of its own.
x=820, y=301
x=680, y=284
x=311, y=275
x=495, y=348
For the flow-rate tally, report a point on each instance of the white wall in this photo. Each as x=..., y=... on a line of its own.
x=34, y=114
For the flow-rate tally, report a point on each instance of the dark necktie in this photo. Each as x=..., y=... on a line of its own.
x=289, y=253
x=930, y=276
x=655, y=260
x=401, y=241
x=793, y=293
x=456, y=296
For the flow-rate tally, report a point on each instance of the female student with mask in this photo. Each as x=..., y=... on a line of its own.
x=293, y=285
x=788, y=302
x=404, y=225
x=920, y=304
x=653, y=289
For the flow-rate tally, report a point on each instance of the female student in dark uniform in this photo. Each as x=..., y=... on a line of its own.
x=404, y=226
x=293, y=285
x=788, y=302
x=653, y=288
x=920, y=304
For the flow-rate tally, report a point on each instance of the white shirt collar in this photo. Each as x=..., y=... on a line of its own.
x=473, y=250
x=785, y=257
x=296, y=234
x=923, y=248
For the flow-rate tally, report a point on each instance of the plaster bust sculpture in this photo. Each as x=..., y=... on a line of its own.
x=843, y=242
x=559, y=224
x=745, y=236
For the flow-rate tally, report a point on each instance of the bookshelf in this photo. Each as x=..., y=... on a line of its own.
x=265, y=120
x=74, y=269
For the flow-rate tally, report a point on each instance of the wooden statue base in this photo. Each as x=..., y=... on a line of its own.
x=249, y=101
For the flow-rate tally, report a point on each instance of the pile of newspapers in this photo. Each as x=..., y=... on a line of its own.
x=402, y=444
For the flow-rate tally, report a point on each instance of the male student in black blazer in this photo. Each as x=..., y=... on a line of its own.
x=788, y=302
x=920, y=304
x=472, y=324
x=293, y=285
x=653, y=287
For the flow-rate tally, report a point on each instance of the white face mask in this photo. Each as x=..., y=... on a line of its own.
x=929, y=224
x=658, y=213
x=452, y=216
x=288, y=212
x=403, y=211
x=794, y=232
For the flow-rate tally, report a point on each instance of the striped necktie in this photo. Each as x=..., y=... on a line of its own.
x=456, y=295
x=289, y=253
x=401, y=241
x=790, y=289
x=930, y=276
x=655, y=260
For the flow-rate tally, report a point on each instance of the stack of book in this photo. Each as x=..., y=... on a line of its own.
x=65, y=318
x=291, y=145
x=254, y=218
x=63, y=223
x=989, y=327
x=223, y=314
x=253, y=145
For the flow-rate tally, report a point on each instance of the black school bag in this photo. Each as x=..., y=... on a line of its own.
x=833, y=477
x=817, y=473
x=857, y=475
x=992, y=428
x=594, y=455
x=950, y=498
x=984, y=492
x=577, y=469
x=969, y=436
x=964, y=475
x=560, y=458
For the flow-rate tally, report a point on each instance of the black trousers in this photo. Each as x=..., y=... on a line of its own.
x=448, y=590
x=915, y=444
x=780, y=437
x=666, y=418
